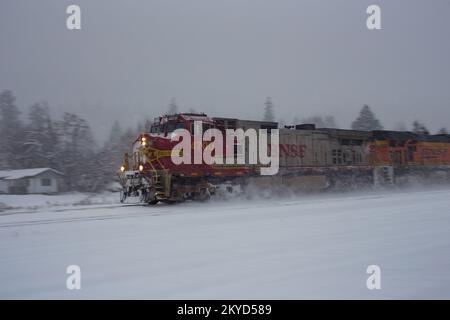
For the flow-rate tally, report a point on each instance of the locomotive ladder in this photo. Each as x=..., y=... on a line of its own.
x=160, y=178
x=388, y=175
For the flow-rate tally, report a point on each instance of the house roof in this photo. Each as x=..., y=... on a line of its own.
x=24, y=173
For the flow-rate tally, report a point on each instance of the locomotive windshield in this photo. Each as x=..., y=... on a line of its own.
x=172, y=126
x=166, y=128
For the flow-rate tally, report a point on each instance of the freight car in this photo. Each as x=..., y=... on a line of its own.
x=309, y=158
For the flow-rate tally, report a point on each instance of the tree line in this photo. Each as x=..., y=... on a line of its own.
x=66, y=144
x=365, y=121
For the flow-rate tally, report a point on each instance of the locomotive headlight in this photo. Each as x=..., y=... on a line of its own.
x=144, y=141
x=141, y=167
x=122, y=168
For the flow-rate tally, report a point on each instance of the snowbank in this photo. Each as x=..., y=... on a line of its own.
x=40, y=201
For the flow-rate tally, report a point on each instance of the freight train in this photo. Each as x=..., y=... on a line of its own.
x=309, y=158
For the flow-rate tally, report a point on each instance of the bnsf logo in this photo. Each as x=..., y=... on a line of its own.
x=292, y=150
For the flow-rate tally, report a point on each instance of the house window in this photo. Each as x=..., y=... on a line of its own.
x=46, y=182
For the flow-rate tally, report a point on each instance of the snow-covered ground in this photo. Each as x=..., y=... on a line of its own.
x=306, y=247
x=33, y=202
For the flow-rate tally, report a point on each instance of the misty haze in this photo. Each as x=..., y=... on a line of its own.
x=225, y=57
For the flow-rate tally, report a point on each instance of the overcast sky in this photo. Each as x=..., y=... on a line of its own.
x=224, y=57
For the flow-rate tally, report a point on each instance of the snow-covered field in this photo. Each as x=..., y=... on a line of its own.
x=33, y=202
x=306, y=247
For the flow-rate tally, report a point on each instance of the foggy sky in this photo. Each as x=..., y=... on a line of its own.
x=223, y=57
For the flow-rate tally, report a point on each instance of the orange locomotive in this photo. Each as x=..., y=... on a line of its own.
x=309, y=159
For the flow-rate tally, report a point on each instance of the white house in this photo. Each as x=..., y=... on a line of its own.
x=36, y=180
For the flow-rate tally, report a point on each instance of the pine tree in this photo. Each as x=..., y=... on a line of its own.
x=10, y=131
x=115, y=135
x=77, y=154
x=268, y=110
x=111, y=155
x=113, y=146
x=419, y=128
x=366, y=120
x=173, y=106
x=40, y=139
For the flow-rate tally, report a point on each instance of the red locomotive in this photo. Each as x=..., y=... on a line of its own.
x=309, y=158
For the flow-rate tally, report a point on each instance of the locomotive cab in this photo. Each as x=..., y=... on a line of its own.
x=164, y=126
